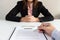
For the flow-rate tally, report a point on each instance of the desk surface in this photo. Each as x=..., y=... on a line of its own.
x=6, y=27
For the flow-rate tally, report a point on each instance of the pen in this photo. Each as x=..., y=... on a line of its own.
x=12, y=33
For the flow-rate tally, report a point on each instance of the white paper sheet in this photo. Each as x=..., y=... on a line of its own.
x=28, y=34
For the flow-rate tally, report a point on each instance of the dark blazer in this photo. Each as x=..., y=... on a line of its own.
x=36, y=11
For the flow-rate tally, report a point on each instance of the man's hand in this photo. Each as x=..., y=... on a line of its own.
x=47, y=27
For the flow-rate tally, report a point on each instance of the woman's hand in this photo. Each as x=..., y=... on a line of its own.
x=34, y=19
x=25, y=19
x=29, y=19
x=47, y=27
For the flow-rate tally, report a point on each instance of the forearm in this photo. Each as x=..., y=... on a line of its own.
x=44, y=19
x=56, y=34
x=16, y=19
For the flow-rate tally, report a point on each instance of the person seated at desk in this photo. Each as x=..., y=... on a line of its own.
x=50, y=30
x=29, y=10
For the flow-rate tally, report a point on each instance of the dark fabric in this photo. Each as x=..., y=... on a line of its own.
x=36, y=12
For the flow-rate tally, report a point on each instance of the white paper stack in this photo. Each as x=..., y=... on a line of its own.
x=27, y=34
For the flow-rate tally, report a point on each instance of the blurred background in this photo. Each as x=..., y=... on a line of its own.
x=52, y=5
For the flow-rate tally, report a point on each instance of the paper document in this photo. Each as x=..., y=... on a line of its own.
x=27, y=34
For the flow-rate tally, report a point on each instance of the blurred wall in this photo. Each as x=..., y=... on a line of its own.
x=52, y=5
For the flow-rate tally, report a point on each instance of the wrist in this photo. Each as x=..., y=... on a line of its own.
x=37, y=19
x=54, y=32
x=21, y=19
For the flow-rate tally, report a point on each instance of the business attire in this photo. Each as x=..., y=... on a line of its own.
x=56, y=35
x=35, y=12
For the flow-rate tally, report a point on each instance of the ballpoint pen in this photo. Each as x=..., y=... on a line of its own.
x=12, y=33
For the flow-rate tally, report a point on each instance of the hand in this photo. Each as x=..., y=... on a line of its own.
x=29, y=18
x=33, y=19
x=47, y=27
x=25, y=19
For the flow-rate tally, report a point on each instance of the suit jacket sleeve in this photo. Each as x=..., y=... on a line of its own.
x=12, y=14
x=46, y=13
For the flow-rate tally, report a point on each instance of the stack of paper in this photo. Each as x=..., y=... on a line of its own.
x=27, y=34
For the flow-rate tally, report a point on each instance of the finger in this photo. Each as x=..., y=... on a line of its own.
x=42, y=28
x=27, y=17
x=40, y=31
x=43, y=25
x=46, y=24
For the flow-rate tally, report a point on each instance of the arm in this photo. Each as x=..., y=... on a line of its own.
x=56, y=34
x=50, y=30
x=46, y=13
x=11, y=16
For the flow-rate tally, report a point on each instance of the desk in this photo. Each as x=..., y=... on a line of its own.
x=6, y=27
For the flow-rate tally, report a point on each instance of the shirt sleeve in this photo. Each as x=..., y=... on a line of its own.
x=56, y=34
